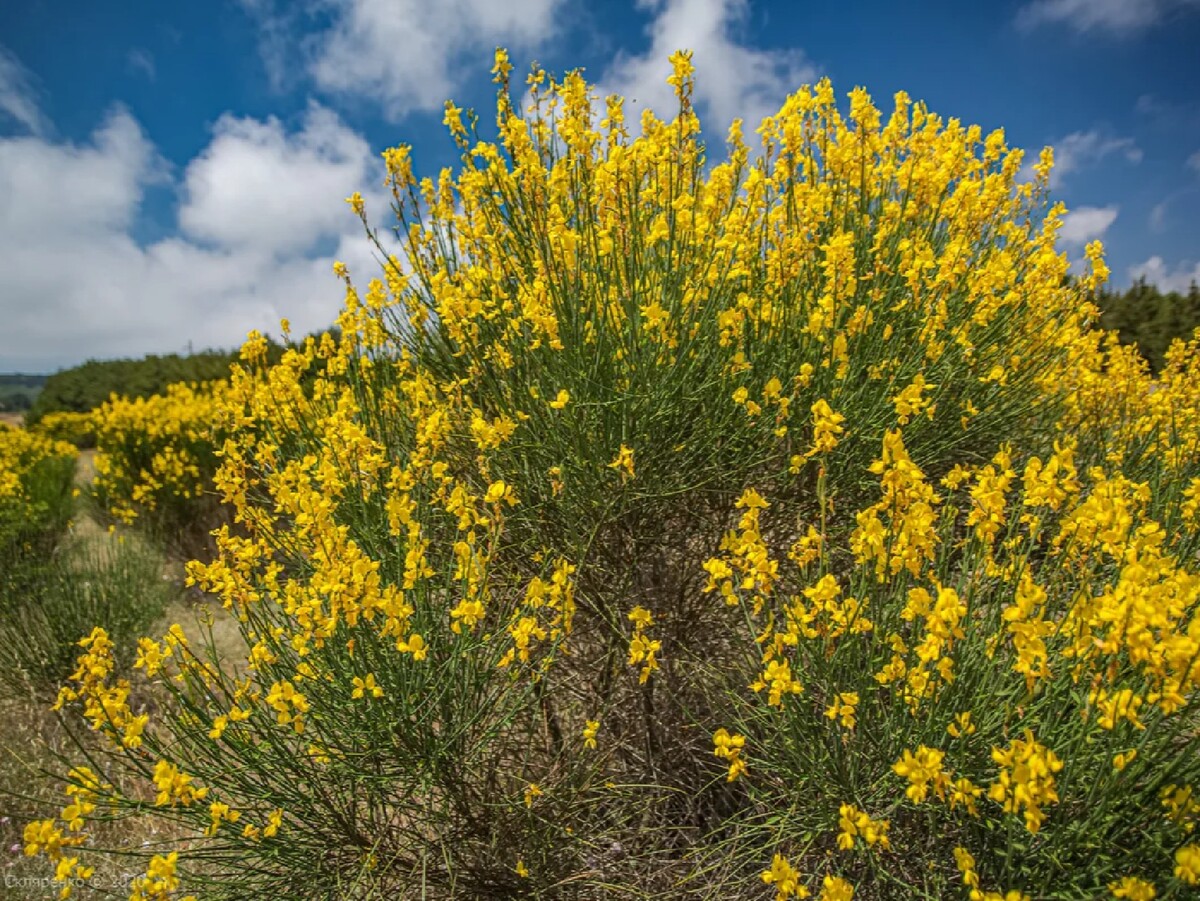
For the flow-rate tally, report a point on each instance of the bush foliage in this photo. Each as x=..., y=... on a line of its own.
x=36, y=486
x=773, y=528
x=155, y=461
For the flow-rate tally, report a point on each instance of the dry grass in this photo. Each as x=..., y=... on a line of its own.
x=33, y=742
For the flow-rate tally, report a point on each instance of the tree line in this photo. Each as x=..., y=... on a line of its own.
x=1145, y=316
x=83, y=388
x=18, y=391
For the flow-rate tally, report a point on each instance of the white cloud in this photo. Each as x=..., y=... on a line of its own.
x=1149, y=105
x=141, y=60
x=1082, y=149
x=406, y=55
x=77, y=284
x=257, y=186
x=17, y=94
x=1085, y=224
x=732, y=80
x=69, y=191
x=1119, y=17
x=1193, y=161
x=277, y=45
x=1168, y=278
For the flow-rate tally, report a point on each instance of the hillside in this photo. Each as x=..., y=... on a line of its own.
x=18, y=391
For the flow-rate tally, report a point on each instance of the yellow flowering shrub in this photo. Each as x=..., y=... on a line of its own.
x=36, y=474
x=795, y=470
x=54, y=585
x=155, y=460
x=78, y=429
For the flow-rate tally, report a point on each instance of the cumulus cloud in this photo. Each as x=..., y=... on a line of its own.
x=77, y=284
x=403, y=54
x=17, y=98
x=1083, y=149
x=73, y=191
x=732, y=80
x=1085, y=224
x=1120, y=17
x=257, y=186
x=1168, y=278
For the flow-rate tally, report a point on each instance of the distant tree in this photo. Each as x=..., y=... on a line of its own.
x=85, y=387
x=1144, y=316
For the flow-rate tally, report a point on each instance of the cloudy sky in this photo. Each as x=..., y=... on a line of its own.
x=173, y=174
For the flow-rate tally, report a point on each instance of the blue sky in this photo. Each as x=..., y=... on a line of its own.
x=173, y=174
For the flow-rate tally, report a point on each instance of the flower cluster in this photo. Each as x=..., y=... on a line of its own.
x=729, y=747
x=1026, y=779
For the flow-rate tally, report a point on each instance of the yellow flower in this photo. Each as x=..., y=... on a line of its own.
x=911, y=401
x=681, y=72
x=501, y=66
x=922, y=770
x=623, y=463
x=962, y=725
x=42, y=837
x=827, y=426
x=843, y=707
x=835, y=888
x=966, y=865
x=1187, y=864
x=854, y=823
x=467, y=613
x=414, y=645
x=532, y=791
x=563, y=398
x=274, y=823
x=590, y=728
x=366, y=686
x=1026, y=779
x=641, y=618
x=1133, y=888
x=453, y=119
x=785, y=879
x=220, y=812
x=500, y=491
x=729, y=747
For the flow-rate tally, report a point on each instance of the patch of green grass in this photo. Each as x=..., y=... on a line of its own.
x=114, y=583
